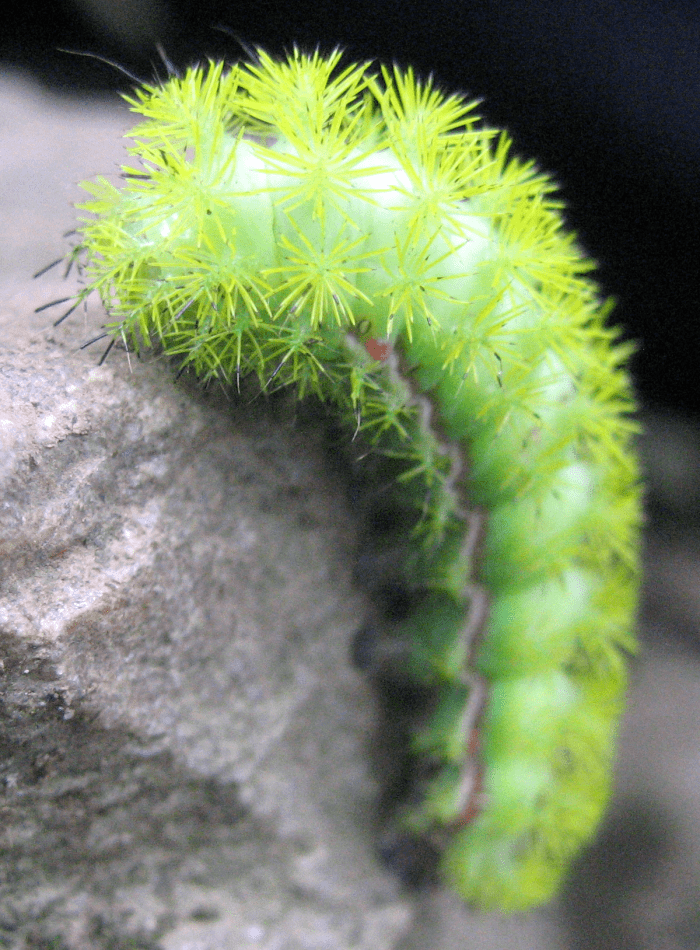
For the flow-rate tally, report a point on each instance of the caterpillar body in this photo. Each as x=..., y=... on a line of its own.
x=360, y=236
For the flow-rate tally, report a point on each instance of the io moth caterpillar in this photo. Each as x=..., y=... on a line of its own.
x=358, y=235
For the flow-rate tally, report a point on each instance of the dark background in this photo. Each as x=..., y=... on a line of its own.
x=605, y=94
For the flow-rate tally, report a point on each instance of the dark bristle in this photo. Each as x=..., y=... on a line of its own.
x=106, y=61
x=65, y=315
x=52, y=303
x=106, y=352
x=45, y=270
x=95, y=339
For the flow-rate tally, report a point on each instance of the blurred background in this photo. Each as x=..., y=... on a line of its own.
x=605, y=94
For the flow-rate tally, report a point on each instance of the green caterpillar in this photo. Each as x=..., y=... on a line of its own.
x=360, y=236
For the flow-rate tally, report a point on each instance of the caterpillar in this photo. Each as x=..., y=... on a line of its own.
x=359, y=235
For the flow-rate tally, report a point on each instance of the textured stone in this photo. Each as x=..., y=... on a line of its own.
x=185, y=744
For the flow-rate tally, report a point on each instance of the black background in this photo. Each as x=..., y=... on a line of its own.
x=605, y=94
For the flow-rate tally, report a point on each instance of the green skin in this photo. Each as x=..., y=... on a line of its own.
x=360, y=209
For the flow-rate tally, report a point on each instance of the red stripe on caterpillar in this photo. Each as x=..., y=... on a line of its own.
x=379, y=350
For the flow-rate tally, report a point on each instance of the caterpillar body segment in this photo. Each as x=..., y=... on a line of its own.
x=358, y=235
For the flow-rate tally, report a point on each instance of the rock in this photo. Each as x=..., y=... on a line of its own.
x=185, y=743
x=185, y=739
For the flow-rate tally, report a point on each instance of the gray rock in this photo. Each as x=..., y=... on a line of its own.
x=185, y=743
x=185, y=739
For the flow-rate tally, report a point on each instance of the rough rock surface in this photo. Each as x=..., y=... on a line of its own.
x=185, y=746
